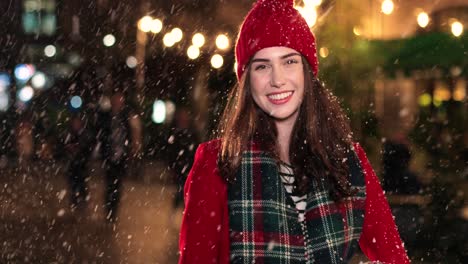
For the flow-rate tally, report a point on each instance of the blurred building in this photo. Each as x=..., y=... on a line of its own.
x=182, y=52
x=426, y=69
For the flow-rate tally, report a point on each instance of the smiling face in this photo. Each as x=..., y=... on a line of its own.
x=277, y=82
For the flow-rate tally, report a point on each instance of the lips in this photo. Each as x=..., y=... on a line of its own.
x=280, y=98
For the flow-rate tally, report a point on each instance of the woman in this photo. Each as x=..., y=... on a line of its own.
x=284, y=182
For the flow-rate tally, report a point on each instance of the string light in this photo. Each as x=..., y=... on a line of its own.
x=423, y=19
x=217, y=61
x=168, y=40
x=156, y=26
x=193, y=52
x=324, y=52
x=198, y=40
x=309, y=13
x=356, y=31
x=312, y=2
x=177, y=34
x=387, y=7
x=457, y=28
x=108, y=40
x=144, y=24
x=222, y=42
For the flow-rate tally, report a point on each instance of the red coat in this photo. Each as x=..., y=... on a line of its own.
x=204, y=234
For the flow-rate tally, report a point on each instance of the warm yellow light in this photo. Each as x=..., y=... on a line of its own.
x=436, y=102
x=457, y=28
x=131, y=62
x=387, y=7
x=156, y=26
x=108, y=40
x=459, y=93
x=168, y=40
x=312, y=2
x=441, y=92
x=217, y=61
x=177, y=34
x=144, y=24
x=324, y=52
x=309, y=13
x=423, y=19
x=198, y=40
x=193, y=52
x=222, y=42
x=425, y=99
x=357, y=31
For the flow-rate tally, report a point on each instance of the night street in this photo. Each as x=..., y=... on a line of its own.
x=38, y=227
x=311, y=131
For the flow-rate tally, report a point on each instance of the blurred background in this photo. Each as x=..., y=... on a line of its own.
x=103, y=103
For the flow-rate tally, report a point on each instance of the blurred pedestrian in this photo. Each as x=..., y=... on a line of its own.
x=284, y=182
x=78, y=145
x=24, y=140
x=397, y=176
x=181, y=151
x=115, y=137
x=136, y=144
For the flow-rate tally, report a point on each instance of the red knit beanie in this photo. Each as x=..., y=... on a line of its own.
x=274, y=23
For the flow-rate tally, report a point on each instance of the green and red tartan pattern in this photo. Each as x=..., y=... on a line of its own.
x=264, y=221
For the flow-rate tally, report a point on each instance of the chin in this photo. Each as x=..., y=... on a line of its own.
x=282, y=116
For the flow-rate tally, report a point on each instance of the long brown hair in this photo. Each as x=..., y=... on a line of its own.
x=320, y=141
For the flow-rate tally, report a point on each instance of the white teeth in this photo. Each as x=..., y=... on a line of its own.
x=279, y=96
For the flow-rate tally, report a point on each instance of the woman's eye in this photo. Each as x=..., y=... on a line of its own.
x=260, y=67
x=291, y=61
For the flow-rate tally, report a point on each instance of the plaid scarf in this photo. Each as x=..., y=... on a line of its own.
x=264, y=223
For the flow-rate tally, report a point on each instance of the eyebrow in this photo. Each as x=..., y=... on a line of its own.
x=282, y=57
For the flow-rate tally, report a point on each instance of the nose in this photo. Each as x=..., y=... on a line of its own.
x=277, y=77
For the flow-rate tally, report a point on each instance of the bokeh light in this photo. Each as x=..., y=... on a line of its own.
x=131, y=62
x=312, y=2
x=198, y=40
x=23, y=72
x=105, y=103
x=423, y=19
x=50, y=50
x=309, y=13
x=459, y=93
x=76, y=102
x=5, y=81
x=145, y=23
x=222, y=42
x=159, y=112
x=4, y=101
x=177, y=34
x=217, y=61
x=442, y=92
x=108, y=40
x=156, y=26
x=170, y=111
x=324, y=52
x=26, y=93
x=193, y=52
x=169, y=40
x=357, y=31
x=425, y=99
x=457, y=28
x=387, y=7
x=39, y=80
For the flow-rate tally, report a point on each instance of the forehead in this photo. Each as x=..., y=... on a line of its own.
x=274, y=52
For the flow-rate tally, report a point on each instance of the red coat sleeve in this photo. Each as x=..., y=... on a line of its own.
x=380, y=240
x=203, y=231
